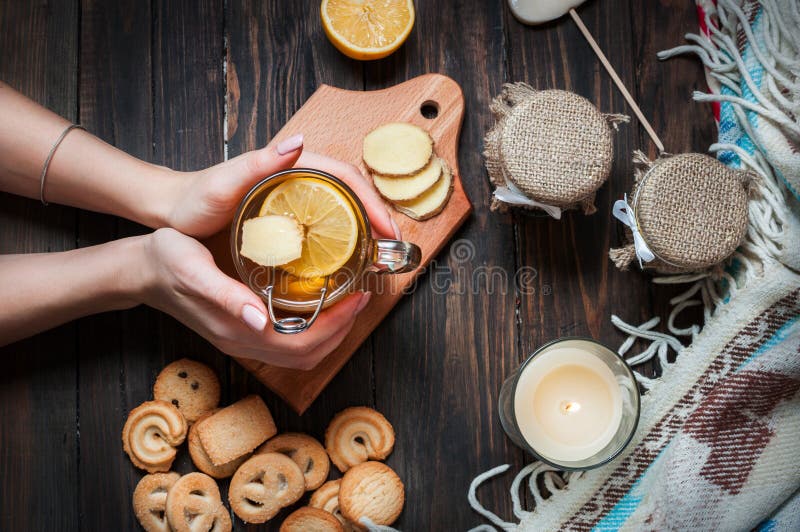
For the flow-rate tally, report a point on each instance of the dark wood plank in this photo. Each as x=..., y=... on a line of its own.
x=117, y=361
x=664, y=88
x=188, y=115
x=277, y=57
x=578, y=287
x=442, y=354
x=575, y=286
x=147, y=79
x=664, y=91
x=38, y=411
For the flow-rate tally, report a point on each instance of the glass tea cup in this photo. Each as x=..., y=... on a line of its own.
x=541, y=393
x=309, y=295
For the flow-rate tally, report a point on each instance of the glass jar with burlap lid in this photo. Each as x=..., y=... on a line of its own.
x=548, y=150
x=687, y=213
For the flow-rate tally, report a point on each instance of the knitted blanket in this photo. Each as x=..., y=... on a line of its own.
x=718, y=440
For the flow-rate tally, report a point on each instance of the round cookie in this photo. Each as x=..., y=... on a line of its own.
x=192, y=387
x=308, y=519
x=358, y=434
x=371, y=490
x=327, y=498
x=307, y=453
x=150, y=500
x=194, y=503
x=151, y=433
x=263, y=485
x=200, y=457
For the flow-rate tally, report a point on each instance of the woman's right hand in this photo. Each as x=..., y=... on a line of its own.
x=180, y=278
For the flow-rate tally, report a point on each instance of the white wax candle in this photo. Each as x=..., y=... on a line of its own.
x=540, y=11
x=567, y=404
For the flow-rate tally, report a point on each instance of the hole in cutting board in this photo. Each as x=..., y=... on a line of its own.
x=429, y=109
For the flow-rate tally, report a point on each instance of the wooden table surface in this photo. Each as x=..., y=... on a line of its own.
x=155, y=77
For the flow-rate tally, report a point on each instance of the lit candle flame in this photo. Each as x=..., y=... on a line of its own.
x=570, y=407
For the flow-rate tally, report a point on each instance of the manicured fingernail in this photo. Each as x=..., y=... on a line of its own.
x=396, y=229
x=363, y=303
x=254, y=318
x=289, y=145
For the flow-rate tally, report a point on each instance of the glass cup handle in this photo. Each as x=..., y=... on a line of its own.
x=395, y=256
x=294, y=324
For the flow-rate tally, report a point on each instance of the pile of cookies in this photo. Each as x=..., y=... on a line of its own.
x=406, y=171
x=268, y=471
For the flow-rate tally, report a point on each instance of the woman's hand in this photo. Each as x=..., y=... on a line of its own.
x=181, y=279
x=208, y=199
x=187, y=284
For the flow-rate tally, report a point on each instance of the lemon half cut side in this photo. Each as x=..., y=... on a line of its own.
x=367, y=29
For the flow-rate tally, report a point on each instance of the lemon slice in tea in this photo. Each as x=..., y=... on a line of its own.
x=327, y=217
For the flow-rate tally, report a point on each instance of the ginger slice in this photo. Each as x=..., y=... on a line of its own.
x=409, y=187
x=397, y=149
x=430, y=203
x=272, y=240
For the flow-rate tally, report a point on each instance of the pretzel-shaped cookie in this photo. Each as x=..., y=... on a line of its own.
x=263, y=485
x=308, y=519
x=150, y=500
x=194, y=504
x=151, y=433
x=306, y=452
x=327, y=498
x=358, y=434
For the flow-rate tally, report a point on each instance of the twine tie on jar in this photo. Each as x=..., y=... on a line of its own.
x=512, y=195
x=624, y=213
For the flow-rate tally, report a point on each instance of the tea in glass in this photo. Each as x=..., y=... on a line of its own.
x=337, y=244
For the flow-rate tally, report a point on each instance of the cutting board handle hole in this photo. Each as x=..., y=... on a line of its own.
x=429, y=109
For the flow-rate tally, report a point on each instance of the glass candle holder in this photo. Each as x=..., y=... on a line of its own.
x=573, y=404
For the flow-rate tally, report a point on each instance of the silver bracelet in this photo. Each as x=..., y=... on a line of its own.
x=50, y=157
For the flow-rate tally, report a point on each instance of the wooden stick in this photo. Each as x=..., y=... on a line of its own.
x=611, y=72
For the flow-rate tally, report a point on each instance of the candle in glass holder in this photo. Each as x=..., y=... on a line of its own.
x=574, y=403
x=567, y=404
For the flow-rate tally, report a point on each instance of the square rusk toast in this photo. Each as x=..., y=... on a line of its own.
x=236, y=430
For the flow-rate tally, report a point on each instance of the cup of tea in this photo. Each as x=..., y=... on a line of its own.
x=338, y=247
x=573, y=404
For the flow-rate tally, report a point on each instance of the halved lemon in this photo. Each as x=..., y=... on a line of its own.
x=327, y=217
x=367, y=29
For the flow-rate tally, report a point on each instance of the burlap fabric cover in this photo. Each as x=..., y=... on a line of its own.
x=691, y=211
x=554, y=146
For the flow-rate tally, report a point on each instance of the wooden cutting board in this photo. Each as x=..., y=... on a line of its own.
x=334, y=122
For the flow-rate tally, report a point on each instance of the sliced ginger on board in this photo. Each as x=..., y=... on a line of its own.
x=397, y=149
x=409, y=187
x=430, y=203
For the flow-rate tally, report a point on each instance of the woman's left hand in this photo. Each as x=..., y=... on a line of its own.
x=208, y=199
